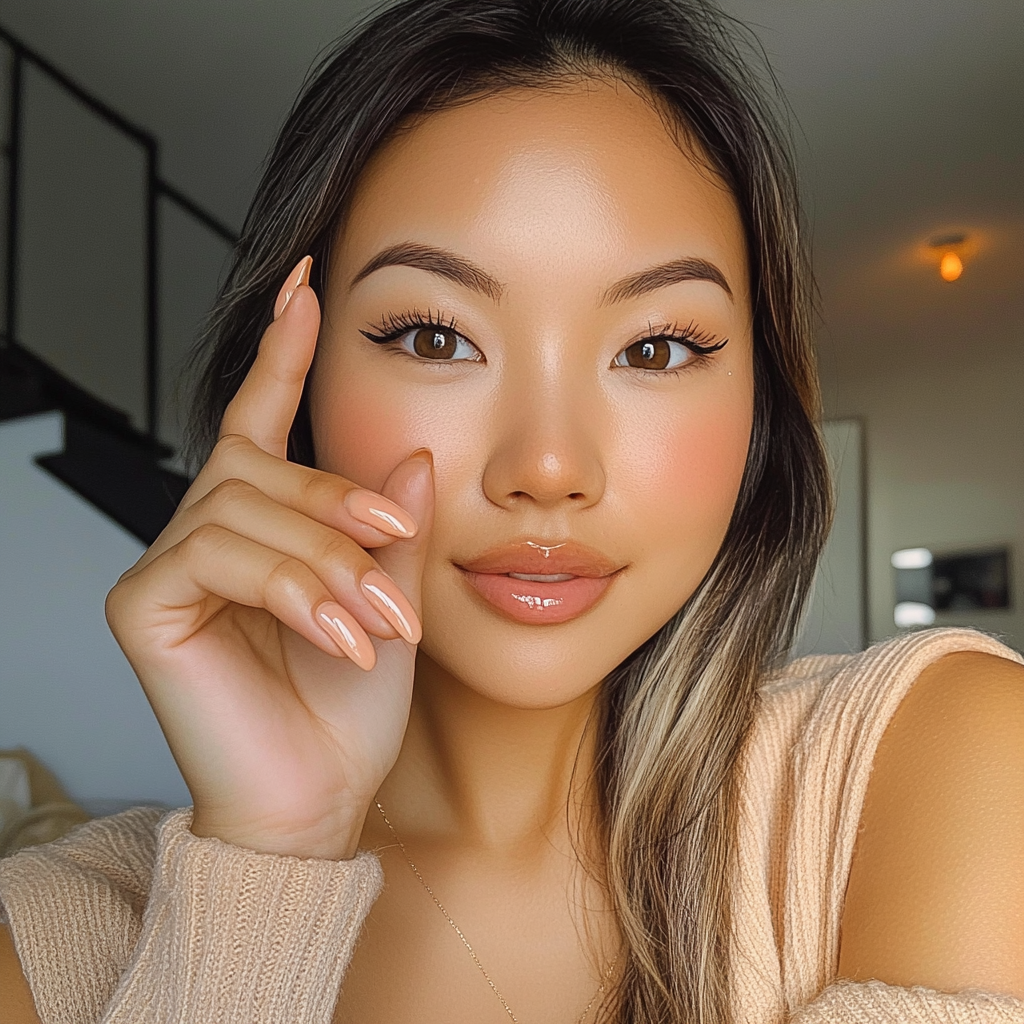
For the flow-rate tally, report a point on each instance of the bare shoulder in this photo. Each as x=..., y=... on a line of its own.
x=935, y=895
x=17, y=1006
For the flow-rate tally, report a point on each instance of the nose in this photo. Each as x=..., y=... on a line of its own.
x=547, y=452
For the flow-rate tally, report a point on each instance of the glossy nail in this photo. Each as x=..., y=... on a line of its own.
x=300, y=275
x=421, y=456
x=376, y=511
x=385, y=595
x=343, y=629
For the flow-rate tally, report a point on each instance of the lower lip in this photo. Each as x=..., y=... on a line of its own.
x=539, y=603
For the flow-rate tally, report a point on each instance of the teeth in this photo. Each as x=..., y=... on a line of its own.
x=560, y=577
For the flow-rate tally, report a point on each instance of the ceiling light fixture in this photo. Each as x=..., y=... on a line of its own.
x=951, y=247
x=950, y=266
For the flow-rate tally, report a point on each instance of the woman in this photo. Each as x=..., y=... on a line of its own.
x=501, y=530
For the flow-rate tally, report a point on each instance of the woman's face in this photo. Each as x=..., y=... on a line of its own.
x=545, y=234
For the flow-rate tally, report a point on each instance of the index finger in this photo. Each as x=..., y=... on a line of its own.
x=263, y=409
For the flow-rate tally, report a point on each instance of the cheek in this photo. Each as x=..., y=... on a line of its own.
x=362, y=432
x=365, y=424
x=684, y=472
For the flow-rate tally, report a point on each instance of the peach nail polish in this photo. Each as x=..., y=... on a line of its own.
x=343, y=629
x=300, y=275
x=376, y=511
x=385, y=595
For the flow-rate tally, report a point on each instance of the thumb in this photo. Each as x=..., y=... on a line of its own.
x=410, y=485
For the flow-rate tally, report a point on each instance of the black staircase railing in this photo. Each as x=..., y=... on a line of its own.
x=123, y=479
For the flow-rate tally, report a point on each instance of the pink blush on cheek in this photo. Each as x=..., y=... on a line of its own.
x=692, y=478
x=354, y=439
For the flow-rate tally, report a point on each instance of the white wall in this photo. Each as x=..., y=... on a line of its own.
x=66, y=691
x=942, y=402
x=834, y=620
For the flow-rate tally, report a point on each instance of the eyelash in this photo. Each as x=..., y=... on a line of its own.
x=391, y=327
x=700, y=343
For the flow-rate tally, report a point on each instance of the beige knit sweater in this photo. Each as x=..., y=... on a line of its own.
x=133, y=920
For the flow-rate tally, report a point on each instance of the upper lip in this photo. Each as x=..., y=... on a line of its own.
x=563, y=557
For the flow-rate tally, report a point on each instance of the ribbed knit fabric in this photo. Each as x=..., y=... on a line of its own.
x=851, y=1002
x=131, y=918
x=806, y=774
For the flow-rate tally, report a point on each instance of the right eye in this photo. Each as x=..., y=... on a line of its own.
x=438, y=343
x=425, y=336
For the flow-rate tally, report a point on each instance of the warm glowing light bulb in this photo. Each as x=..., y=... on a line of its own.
x=951, y=267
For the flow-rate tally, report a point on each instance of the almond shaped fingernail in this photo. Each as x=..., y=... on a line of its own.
x=376, y=511
x=343, y=629
x=389, y=600
x=299, y=275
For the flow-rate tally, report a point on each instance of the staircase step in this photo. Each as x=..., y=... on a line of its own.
x=118, y=475
x=22, y=392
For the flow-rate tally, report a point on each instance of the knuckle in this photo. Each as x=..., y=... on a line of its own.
x=226, y=450
x=113, y=605
x=318, y=490
x=337, y=550
x=289, y=576
x=229, y=492
x=204, y=541
x=122, y=600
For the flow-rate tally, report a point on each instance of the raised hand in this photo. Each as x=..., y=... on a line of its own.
x=249, y=622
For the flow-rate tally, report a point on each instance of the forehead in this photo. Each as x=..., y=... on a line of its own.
x=585, y=176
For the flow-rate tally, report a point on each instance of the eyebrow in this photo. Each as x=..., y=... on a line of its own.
x=686, y=268
x=460, y=270
x=437, y=261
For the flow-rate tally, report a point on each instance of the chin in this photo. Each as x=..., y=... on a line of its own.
x=512, y=678
x=533, y=667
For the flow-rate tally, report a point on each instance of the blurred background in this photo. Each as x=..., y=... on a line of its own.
x=132, y=138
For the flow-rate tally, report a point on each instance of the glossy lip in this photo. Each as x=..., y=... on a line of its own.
x=533, y=557
x=537, y=602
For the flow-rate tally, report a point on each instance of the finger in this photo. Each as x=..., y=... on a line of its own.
x=411, y=485
x=263, y=409
x=369, y=518
x=352, y=576
x=213, y=560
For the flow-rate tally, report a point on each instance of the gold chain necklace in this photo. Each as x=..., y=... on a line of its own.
x=458, y=931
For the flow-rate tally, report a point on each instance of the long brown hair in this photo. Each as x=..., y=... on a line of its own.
x=675, y=714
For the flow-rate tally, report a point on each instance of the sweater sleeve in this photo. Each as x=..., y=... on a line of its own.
x=225, y=934
x=874, y=1002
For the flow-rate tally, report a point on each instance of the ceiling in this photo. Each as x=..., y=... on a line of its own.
x=909, y=117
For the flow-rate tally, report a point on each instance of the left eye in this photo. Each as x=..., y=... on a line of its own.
x=439, y=343
x=654, y=354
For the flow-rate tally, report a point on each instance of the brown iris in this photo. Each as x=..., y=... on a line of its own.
x=435, y=342
x=649, y=354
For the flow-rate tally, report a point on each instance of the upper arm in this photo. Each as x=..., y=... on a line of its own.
x=936, y=888
x=16, y=1006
